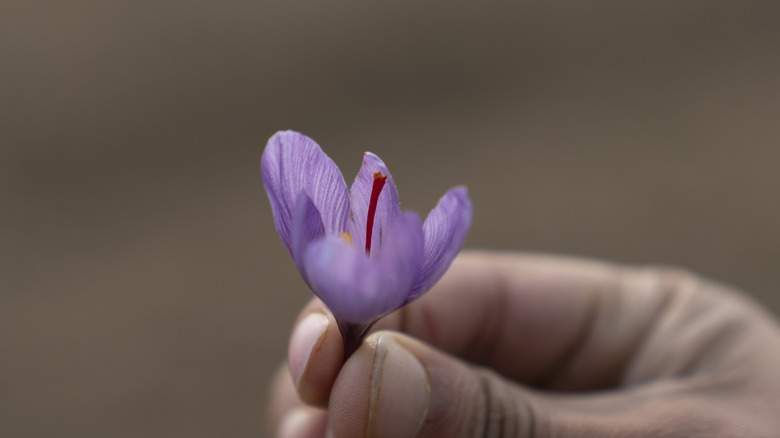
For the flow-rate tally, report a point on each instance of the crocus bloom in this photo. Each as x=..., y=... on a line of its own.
x=354, y=248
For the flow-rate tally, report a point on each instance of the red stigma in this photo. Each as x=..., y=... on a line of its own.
x=379, y=183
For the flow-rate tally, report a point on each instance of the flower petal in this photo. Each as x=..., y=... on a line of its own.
x=293, y=163
x=307, y=227
x=445, y=230
x=402, y=252
x=345, y=279
x=387, y=209
x=358, y=289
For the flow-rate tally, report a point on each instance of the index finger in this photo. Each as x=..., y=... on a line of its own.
x=529, y=316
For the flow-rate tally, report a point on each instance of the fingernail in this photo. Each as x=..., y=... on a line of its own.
x=294, y=423
x=303, y=340
x=400, y=392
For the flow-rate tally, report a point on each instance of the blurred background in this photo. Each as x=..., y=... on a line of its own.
x=144, y=291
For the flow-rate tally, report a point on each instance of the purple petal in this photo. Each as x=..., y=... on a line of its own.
x=293, y=163
x=445, y=230
x=346, y=280
x=358, y=289
x=388, y=207
x=307, y=227
x=402, y=252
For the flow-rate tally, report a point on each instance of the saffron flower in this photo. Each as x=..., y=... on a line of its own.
x=354, y=247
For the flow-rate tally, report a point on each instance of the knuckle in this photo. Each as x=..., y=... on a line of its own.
x=670, y=283
x=502, y=411
x=674, y=280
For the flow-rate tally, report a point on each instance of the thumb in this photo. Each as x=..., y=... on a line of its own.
x=395, y=386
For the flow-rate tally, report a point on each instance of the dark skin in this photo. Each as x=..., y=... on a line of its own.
x=515, y=345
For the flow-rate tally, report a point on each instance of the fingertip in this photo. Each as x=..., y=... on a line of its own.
x=383, y=390
x=400, y=391
x=348, y=404
x=305, y=338
x=315, y=356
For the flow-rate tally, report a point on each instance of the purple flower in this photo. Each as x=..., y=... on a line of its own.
x=355, y=249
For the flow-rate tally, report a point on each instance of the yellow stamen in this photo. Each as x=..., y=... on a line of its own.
x=347, y=237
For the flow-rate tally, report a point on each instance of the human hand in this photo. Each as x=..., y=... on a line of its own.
x=510, y=345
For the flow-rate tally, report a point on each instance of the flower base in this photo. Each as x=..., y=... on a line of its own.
x=352, y=335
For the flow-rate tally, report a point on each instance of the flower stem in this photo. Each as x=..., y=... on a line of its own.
x=352, y=335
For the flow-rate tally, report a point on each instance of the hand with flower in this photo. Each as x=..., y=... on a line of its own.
x=517, y=345
x=505, y=345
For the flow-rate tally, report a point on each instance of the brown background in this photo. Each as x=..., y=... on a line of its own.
x=144, y=290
